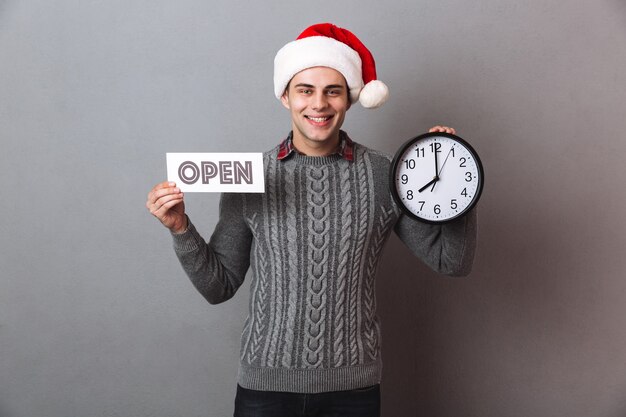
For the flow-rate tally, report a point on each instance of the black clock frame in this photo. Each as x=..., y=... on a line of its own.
x=396, y=160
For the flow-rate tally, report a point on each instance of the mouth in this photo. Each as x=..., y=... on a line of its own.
x=319, y=121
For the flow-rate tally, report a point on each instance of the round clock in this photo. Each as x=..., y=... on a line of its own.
x=436, y=177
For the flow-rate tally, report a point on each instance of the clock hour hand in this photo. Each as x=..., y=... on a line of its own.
x=432, y=182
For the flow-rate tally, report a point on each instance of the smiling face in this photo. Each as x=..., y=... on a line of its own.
x=317, y=99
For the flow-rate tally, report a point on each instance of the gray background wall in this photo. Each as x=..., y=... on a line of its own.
x=96, y=316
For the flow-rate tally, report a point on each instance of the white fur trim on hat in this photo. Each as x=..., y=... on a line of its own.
x=317, y=51
x=374, y=94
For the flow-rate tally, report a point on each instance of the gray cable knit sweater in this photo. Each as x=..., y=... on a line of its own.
x=313, y=241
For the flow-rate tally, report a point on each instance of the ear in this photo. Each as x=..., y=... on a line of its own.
x=285, y=100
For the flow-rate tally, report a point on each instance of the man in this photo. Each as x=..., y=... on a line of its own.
x=311, y=342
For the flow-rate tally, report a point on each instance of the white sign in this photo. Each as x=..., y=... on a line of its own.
x=216, y=172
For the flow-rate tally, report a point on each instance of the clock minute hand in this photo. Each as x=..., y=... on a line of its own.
x=442, y=165
x=436, y=163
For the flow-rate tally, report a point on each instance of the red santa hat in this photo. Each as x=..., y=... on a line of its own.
x=326, y=45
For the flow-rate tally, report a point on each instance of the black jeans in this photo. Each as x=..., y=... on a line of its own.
x=363, y=402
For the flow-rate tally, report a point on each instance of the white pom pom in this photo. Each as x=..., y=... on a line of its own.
x=374, y=94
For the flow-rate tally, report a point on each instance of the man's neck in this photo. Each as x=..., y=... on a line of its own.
x=311, y=148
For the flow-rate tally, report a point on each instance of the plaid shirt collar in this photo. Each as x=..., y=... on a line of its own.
x=345, y=149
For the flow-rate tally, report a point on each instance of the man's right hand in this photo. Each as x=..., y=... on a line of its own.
x=166, y=203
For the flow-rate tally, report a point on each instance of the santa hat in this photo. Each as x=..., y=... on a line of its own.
x=326, y=45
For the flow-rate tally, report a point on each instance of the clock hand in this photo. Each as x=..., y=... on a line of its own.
x=445, y=160
x=442, y=165
x=436, y=163
x=433, y=181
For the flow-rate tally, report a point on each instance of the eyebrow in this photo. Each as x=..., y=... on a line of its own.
x=312, y=86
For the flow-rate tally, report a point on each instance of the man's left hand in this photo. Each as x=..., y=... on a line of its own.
x=442, y=129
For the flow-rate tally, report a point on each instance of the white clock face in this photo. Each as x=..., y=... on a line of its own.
x=436, y=177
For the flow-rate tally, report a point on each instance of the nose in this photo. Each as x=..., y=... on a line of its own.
x=319, y=101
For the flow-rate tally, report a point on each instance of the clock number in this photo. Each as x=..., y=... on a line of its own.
x=434, y=147
x=437, y=209
x=464, y=192
x=422, y=204
x=452, y=151
x=405, y=178
x=409, y=195
x=410, y=163
x=468, y=176
x=420, y=151
x=463, y=160
x=453, y=204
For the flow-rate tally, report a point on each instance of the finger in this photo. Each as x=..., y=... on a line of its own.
x=161, y=185
x=165, y=184
x=156, y=207
x=443, y=129
x=165, y=214
x=440, y=129
x=163, y=209
x=159, y=202
x=157, y=193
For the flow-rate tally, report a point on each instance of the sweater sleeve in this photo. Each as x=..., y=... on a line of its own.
x=217, y=268
x=447, y=249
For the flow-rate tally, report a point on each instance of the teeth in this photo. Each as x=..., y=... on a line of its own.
x=318, y=119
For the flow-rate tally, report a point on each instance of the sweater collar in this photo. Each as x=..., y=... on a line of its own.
x=345, y=149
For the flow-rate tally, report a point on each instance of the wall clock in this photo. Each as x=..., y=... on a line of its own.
x=436, y=177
